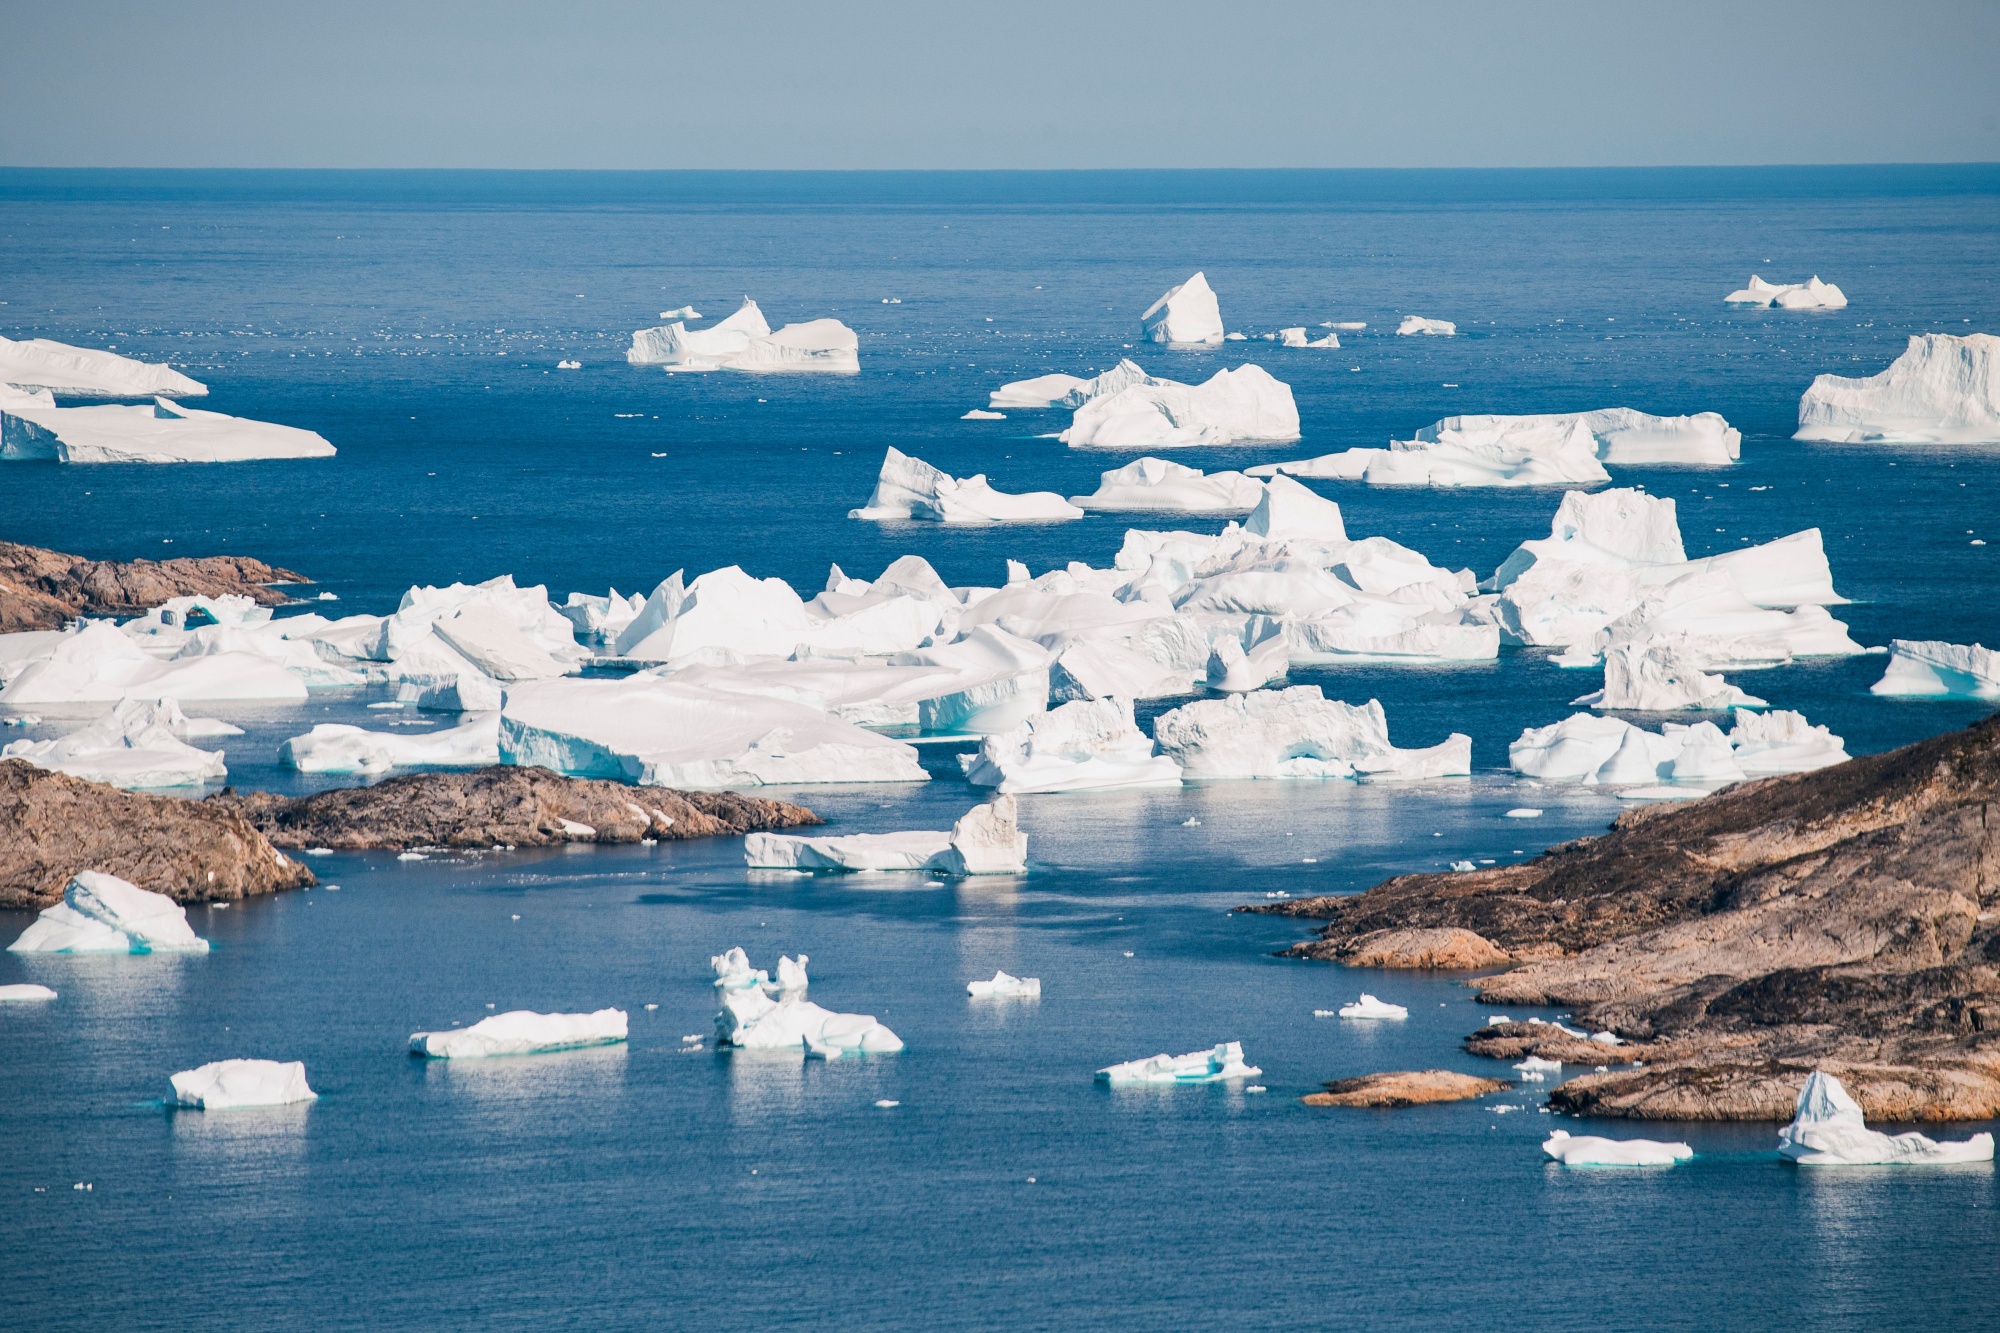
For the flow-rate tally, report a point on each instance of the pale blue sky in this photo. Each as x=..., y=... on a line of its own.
x=1024, y=83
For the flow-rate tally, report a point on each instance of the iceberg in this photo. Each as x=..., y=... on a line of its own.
x=744, y=342
x=1589, y=1150
x=1225, y=1061
x=503, y=631
x=1534, y=1069
x=1234, y=669
x=1417, y=324
x=1370, y=1007
x=1813, y=295
x=96, y=663
x=1153, y=485
x=986, y=841
x=1928, y=669
x=1188, y=314
x=102, y=913
x=138, y=745
x=1244, y=405
x=27, y=992
x=909, y=488
x=685, y=312
x=1287, y=509
x=1002, y=987
x=601, y=618
x=230, y=1084
x=334, y=747
x=162, y=433
x=978, y=414
x=1596, y=750
x=752, y=1019
x=81, y=372
x=1084, y=745
x=1827, y=1129
x=522, y=1032
x=1662, y=676
x=1298, y=733
x=1943, y=389
x=1071, y=390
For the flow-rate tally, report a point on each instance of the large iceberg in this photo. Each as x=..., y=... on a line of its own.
x=744, y=341
x=1070, y=390
x=1188, y=314
x=1827, y=1130
x=162, y=433
x=98, y=664
x=229, y=1084
x=335, y=747
x=909, y=488
x=1240, y=406
x=522, y=1032
x=727, y=616
x=1603, y=751
x=82, y=372
x=1153, y=485
x=1943, y=389
x=1590, y=1150
x=138, y=745
x=1225, y=1061
x=985, y=841
x=1298, y=733
x=1417, y=324
x=759, y=1015
x=102, y=913
x=1813, y=295
x=1928, y=669
x=1084, y=745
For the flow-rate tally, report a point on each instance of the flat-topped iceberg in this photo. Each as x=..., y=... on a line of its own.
x=98, y=664
x=752, y=1019
x=986, y=841
x=1298, y=733
x=1943, y=389
x=1084, y=745
x=1188, y=315
x=1590, y=1150
x=1812, y=295
x=522, y=1032
x=1827, y=1129
x=83, y=372
x=231, y=1084
x=1224, y=1061
x=335, y=747
x=1600, y=751
x=27, y=992
x=1070, y=390
x=102, y=913
x=1154, y=485
x=1370, y=1007
x=1929, y=669
x=1240, y=406
x=162, y=433
x=743, y=341
x=1002, y=987
x=1413, y=325
x=909, y=488
x=138, y=746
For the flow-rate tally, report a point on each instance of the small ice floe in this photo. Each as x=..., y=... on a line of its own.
x=227, y=1084
x=1325, y=1013
x=1416, y=324
x=101, y=913
x=1934, y=670
x=412, y=856
x=1190, y=822
x=24, y=992
x=909, y=488
x=522, y=1032
x=1524, y=812
x=1812, y=295
x=752, y=1019
x=1493, y=1020
x=1607, y=1039
x=1534, y=1069
x=892, y=300
x=887, y=1104
x=1370, y=1007
x=569, y=365
x=1255, y=1087
x=987, y=840
x=1187, y=315
x=1225, y=1061
x=981, y=414
x=1462, y=867
x=319, y=851
x=1589, y=1150
x=685, y=312
x=1827, y=1129
x=1004, y=986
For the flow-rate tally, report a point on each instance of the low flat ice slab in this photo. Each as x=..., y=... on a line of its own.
x=333, y=747
x=102, y=913
x=1590, y=1150
x=1298, y=733
x=1929, y=669
x=1370, y=1007
x=1240, y=406
x=1811, y=295
x=163, y=433
x=137, y=746
x=1188, y=315
x=1827, y=1129
x=1943, y=389
x=231, y=1084
x=1224, y=1061
x=83, y=372
x=522, y=1032
x=1005, y=987
x=1417, y=325
x=27, y=992
x=909, y=488
x=1154, y=485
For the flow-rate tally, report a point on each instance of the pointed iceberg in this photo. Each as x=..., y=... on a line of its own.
x=1188, y=315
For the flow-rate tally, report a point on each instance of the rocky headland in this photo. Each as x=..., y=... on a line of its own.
x=1846, y=920
x=1405, y=1087
x=42, y=589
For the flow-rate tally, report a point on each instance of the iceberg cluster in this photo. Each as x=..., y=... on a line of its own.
x=1083, y=745
x=1241, y=406
x=1154, y=485
x=1608, y=751
x=1005, y=987
x=745, y=342
x=1827, y=1129
x=332, y=747
x=1225, y=1061
x=758, y=1014
x=1927, y=669
x=1413, y=325
x=1298, y=733
x=232, y=1084
x=1589, y=1150
x=1943, y=389
x=909, y=488
x=138, y=745
x=522, y=1032
x=102, y=913
x=1370, y=1007
x=1813, y=295
x=985, y=841
x=1188, y=315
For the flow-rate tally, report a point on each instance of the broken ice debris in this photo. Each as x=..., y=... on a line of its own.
x=522, y=1032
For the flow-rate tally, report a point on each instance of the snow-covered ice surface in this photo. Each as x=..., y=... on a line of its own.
x=102, y=913
x=911, y=488
x=84, y=372
x=522, y=1032
x=1187, y=314
x=1930, y=670
x=1224, y=1061
x=1827, y=1129
x=138, y=744
x=1590, y=1150
x=744, y=341
x=1246, y=405
x=165, y=432
x=1809, y=295
x=1943, y=389
x=234, y=1084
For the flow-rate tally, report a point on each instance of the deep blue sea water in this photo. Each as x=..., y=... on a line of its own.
x=415, y=321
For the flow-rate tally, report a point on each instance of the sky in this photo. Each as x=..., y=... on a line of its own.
x=1019, y=84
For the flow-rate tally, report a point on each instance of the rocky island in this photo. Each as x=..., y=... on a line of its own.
x=42, y=589
x=1845, y=920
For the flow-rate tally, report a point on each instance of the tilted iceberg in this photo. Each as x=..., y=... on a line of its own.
x=1929, y=669
x=1827, y=1129
x=1370, y=1007
x=1084, y=745
x=743, y=341
x=1813, y=295
x=138, y=745
x=231, y=1084
x=1225, y=1061
x=522, y=1032
x=1239, y=406
x=1298, y=733
x=1943, y=389
x=1417, y=324
x=1601, y=751
x=102, y=913
x=752, y=1019
x=1590, y=1150
x=82, y=372
x=1005, y=987
x=986, y=841
x=1153, y=485
x=1188, y=314
x=334, y=747
x=909, y=488
x=1070, y=390
x=163, y=433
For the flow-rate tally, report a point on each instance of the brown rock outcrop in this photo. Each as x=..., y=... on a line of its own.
x=53, y=825
x=1439, y=947
x=1405, y=1087
x=43, y=589
x=1518, y=1041
x=502, y=805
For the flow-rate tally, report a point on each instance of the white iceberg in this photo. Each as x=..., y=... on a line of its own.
x=1589, y=1150
x=1154, y=485
x=601, y=618
x=102, y=913
x=1928, y=669
x=1298, y=733
x=96, y=663
x=138, y=745
x=27, y=992
x=1595, y=750
x=1070, y=390
x=1535, y=1069
x=1370, y=1007
x=1188, y=314
x=1813, y=295
x=522, y=1032
x=1827, y=1129
x=1417, y=324
x=978, y=414
x=685, y=312
x=909, y=488
x=1662, y=676
x=1225, y=1061
x=230, y=1084
x=752, y=1019
x=163, y=433
x=82, y=372
x=335, y=747
x=728, y=618
x=1084, y=745
x=1240, y=406
x=987, y=840
x=1002, y=987
x=1943, y=389
x=1235, y=669
x=745, y=342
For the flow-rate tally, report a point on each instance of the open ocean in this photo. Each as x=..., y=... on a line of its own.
x=415, y=320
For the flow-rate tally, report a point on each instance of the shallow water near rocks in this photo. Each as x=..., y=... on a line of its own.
x=652, y=1186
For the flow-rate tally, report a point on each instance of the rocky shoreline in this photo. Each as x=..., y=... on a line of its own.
x=43, y=590
x=1846, y=920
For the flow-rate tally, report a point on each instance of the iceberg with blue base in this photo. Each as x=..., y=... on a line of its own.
x=1827, y=1129
x=102, y=913
x=1930, y=669
x=522, y=1032
x=1590, y=1150
x=231, y=1084
x=1225, y=1061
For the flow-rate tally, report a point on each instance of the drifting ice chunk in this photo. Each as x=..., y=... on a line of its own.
x=137, y=745
x=1086, y=745
x=1370, y=1007
x=744, y=341
x=227, y=1084
x=1933, y=670
x=80, y=372
x=1187, y=314
x=681, y=313
x=986, y=841
x=98, y=664
x=522, y=1032
x=732, y=972
x=909, y=488
x=1589, y=1150
x=977, y=415
x=1298, y=733
x=1943, y=389
x=1153, y=485
x=1534, y=1069
x=1827, y=1130
x=1230, y=407
x=1813, y=295
x=1662, y=676
x=101, y=913
x=1212, y=1066
x=1002, y=987
x=162, y=433
x=27, y=992
x=332, y=747
x=751, y=1019
x=1417, y=324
